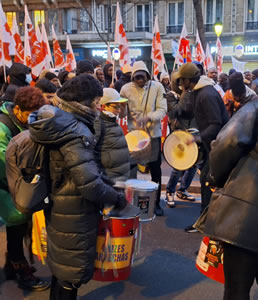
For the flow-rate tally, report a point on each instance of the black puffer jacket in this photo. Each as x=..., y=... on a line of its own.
x=233, y=212
x=78, y=192
x=112, y=148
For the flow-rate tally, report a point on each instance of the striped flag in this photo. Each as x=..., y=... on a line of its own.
x=199, y=52
x=58, y=54
x=19, y=50
x=70, y=63
x=157, y=55
x=219, y=56
x=45, y=45
x=208, y=63
x=184, y=53
x=121, y=40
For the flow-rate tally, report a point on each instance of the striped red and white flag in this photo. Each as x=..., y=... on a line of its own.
x=199, y=52
x=157, y=55
x=208, y=63
x=45, y=45
x=37, y=57
x=19, y=50
x=8, y=44
x=70, y=63
x=184, y=52
x=121, y=40
x=58, y=54
x=219, y=56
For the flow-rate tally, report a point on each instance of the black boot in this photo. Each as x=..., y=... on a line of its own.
x=25, y=278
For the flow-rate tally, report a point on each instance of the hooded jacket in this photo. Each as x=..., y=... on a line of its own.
x=8, y=212
x=233, y=211
x=208, y=109
x=77, y=190
x=156, y=107
x=108, y=79
x=112, y=148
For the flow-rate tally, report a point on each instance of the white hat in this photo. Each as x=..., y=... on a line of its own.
x=111, y=96
x=127, y=68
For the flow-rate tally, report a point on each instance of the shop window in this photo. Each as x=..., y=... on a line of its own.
x=70, y=21
x=144, y=17
x=214, y=13
x=175, y=17
x=252, y=15
x=9, y=18
x=53, y=20
x=39, y=17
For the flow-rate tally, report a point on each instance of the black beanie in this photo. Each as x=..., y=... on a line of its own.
x=255, y=73
x=84, y=66
x=50, y=76
x=236, y=83
x=83, y=88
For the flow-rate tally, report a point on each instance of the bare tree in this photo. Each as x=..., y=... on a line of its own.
x=199, y=21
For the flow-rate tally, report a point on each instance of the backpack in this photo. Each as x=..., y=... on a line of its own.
x=27, y=173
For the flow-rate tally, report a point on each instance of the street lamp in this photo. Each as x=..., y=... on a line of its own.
x=218, y=27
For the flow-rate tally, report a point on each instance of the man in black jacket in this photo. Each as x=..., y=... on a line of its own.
x=125, y=78
x=210, y=114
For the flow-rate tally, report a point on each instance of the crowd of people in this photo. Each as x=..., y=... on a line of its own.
x=74, y=115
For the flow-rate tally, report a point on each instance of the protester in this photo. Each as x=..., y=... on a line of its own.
x=231, y=71
x=100, y=76
x=112, y=149
x=108, y=74
x=13, y=119
x=213, y=74
x=254, y=85
x=248, y=78
x=164, y=80
x=84, y=67
x=223, y=82
x=96, y=64
x=53, y=78
x=175, y=100
x=233, y=214
x=147, y=107
x=210, y=115
x=48, y=89
x=63, y=76
x=79, y=191
x=125, y=78
x=118, y=74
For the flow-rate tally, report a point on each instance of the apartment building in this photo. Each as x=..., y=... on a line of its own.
x=91, y=22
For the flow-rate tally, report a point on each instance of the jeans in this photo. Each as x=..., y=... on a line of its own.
x=240, y=270
x=186, y=180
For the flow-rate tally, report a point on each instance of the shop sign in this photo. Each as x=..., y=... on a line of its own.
x=134, y=52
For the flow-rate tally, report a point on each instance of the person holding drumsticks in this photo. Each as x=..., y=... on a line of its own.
x=146, y=108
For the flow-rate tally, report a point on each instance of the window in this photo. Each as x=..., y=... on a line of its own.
x=39, y=17
x=252, y=15
x=175, y=17
x=214, y=13
x=144, y=17
x=110, y=17
x=9, y=18
x=84, y=21
x=21, y=22
x=70, y=21
x=52, y=20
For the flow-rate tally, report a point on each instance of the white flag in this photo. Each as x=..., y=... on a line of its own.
x=239, y=66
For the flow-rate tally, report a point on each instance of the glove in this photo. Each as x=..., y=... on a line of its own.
x=121, y=202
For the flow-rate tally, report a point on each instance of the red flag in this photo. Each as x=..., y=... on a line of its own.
x=19, y=50
x=37, y=57
x=58, y=54
x=46, y=48
x=8, y=45
x=184, y=53
x=157, y=55
x=219, y=55
x=199, y=52
x=208, y=63
x=70, y=63
x=121, y=40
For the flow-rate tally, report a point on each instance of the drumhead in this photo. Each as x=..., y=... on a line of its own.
x=130, y=211
x=141, y=185
x=137, y=140
x=177, y=153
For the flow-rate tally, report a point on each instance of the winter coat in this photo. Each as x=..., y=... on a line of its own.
x=10, y=215
x=208, y=109
x=124, y=79
x=77, y=192
x=233, y=212
x=108, y=79
x=112, y=148
x=156, y=108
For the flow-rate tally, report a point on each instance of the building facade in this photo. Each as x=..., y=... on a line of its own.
x=91, y=23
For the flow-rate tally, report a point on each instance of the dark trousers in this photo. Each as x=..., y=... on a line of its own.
x=14, y=237
x=240, y=270
x=62, y=291
x=205, y=190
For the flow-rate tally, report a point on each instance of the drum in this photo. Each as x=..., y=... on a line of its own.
x=139, y=145
x=117, y=235
x=210, y=259
x=178, y=153
x=143, y=196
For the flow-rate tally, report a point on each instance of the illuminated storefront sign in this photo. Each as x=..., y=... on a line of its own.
x=135, y=52
x=238, y=50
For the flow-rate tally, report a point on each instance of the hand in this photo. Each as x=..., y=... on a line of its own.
x=121, y=201
x=141, y=122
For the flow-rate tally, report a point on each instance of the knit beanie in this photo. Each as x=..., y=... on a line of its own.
x=50, y=75
x=236, y=83
x=84, y=66
x=255, y=73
